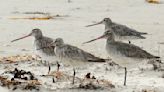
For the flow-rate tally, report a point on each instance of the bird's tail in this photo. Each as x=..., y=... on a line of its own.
x=157, y=57
x=99, y=60
x=142, y=37
x=154, y=60
x=143, y=33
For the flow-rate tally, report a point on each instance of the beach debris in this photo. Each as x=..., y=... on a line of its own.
x=17, y=58
x=90, y=86
x=19, y=79
x=37, y=16
x=148, y=90
x=34, y=18
x=37, y=12
x=153, y=1
x=25, y=50
x=95, y=84
x=88, y=76
x=69, y=1
x=46, y=17
x=21, y=74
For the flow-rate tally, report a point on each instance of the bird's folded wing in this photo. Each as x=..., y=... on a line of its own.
x=79, y=54
x=130, y=50
x=123, y=30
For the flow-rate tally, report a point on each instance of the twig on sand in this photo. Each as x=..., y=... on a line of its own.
x=69, y=1
x=125, y=76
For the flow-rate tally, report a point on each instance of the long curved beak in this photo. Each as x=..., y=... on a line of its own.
x=95, y=24
x=51, y=44
x=21, y=37
x=103, y=36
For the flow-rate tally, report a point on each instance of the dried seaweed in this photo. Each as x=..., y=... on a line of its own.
x=17, y=58
x=19, y=81
x=153, y=1
x=45, y=16
x=95, y=84
x=35, y=18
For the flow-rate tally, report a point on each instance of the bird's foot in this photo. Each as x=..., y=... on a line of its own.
x=56, y=74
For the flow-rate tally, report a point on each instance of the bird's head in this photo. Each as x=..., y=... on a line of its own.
x=35, y=32
x=57, y=42
x=104, y=21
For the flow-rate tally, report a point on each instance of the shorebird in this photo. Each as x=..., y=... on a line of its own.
x=40, y=44
x=123, y=53
x=72, y=55
x=121, y=32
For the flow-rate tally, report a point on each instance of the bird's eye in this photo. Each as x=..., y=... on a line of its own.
x=34, y=30
x=108, y=32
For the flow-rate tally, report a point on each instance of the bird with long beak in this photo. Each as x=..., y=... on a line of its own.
x=123, y=53
x=41, y=45
x=73, y=56
x=121, y=32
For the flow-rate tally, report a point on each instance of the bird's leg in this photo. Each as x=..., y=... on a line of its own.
x=58, y=74
x=58, y=66
x=125, y=76
x=49, y=68
x=73, y=76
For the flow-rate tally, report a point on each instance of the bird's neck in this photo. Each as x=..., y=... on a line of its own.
x=38, y=37
x=110, y=39
x=108, y=25
x=60, y=45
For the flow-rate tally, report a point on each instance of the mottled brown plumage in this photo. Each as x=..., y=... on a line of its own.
x=41, y=46
x=41, y=43
x=123, y=51
x=72, y=55
x=121, y=32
